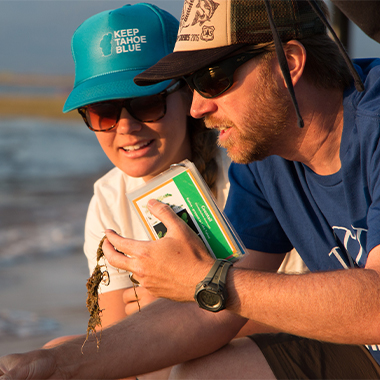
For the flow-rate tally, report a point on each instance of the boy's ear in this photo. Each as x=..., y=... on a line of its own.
x=295, y=54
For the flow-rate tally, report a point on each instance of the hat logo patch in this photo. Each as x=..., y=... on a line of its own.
x=204, y=11
x=124, y=41
x=207, y=33
x=106, y=45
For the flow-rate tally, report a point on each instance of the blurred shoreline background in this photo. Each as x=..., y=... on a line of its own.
x=49, y=162
x=35, y=95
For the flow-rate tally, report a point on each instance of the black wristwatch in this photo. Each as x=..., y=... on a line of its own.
x=210, y=293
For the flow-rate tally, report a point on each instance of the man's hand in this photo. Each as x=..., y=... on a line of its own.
x=170, y=267
x=129, y=298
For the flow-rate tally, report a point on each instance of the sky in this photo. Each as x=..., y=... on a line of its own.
x=35, y=35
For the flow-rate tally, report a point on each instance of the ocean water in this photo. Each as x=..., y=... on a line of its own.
x=46, y=175
x=31, y=149
x=47, y=171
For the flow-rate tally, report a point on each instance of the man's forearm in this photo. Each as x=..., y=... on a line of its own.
x=340, y=306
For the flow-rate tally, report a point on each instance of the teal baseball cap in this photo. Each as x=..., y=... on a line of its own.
x=110, y=48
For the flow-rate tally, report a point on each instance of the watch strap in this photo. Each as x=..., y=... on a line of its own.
x=218, y=272
x=221, y=273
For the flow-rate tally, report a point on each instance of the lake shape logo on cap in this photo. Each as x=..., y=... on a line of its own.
x=123, y=40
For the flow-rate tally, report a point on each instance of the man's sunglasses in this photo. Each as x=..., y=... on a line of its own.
x=103, y=116
x=213, y=81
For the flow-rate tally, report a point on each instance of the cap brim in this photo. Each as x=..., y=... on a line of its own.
x=106, y=87
x=181, y=63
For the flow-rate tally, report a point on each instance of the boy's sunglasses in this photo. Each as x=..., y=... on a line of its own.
x=103, y=116
x=212, y=81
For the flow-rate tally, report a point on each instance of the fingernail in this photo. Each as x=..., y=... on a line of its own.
x=152, y=202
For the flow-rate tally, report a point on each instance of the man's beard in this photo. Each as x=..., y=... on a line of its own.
x=266, y=118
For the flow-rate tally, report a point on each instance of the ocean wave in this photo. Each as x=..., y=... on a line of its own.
x=33, y=148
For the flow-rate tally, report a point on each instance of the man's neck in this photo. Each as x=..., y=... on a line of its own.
x=318, y=144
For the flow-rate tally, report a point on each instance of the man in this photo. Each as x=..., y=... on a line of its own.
x=314, y=188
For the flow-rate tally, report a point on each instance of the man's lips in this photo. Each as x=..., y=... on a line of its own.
x=223, y=129
x=224, y=132
x=213, y=123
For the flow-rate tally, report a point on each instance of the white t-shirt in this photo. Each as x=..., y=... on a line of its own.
x=110, y=209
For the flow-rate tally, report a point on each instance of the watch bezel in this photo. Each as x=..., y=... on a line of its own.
x=214, y=283
x=205, y=289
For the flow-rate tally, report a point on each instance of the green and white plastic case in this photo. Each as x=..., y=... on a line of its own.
x=183, y=188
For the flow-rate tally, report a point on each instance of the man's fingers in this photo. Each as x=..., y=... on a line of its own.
x=115, y=254
x=116, y=240
x=164, y=213
x=119, y=243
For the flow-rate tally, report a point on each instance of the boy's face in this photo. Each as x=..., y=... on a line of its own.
x=146, y=149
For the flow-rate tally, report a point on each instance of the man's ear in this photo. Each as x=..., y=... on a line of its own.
x=295, y=54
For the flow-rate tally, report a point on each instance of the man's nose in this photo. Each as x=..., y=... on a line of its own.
x=201, y=106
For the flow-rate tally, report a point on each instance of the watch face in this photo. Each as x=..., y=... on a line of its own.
x=209, y=300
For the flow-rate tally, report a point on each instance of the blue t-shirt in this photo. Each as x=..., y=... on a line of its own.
x=276, y=204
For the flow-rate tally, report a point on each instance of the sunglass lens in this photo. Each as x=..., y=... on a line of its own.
x=148, y=108
x=102, y=116
x=211, y=82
